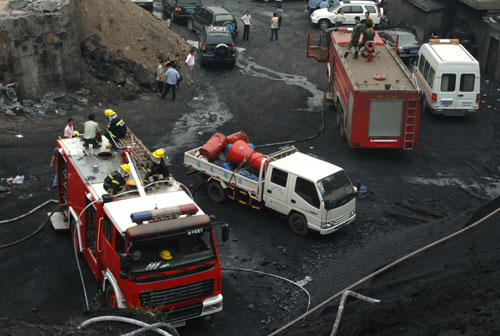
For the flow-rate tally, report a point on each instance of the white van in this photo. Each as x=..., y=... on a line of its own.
x=449, y=78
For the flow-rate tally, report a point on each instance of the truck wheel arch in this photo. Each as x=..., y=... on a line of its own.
x=216, y=191
x=110, y=281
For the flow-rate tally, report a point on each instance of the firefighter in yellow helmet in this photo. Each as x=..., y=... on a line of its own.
x=115, y=181
x=116, y=128
x=158, y=166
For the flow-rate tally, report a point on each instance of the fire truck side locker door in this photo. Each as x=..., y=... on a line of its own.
x=349, y=117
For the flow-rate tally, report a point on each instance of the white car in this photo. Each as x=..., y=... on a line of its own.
x=325, y=17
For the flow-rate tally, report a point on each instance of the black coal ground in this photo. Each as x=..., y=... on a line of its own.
x=454, y=169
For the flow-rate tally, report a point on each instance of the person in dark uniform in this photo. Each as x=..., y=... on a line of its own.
x=115, y=181
x=356, y=33
x=158, y=167
x=368, y=35
x=116, y=129
x=368, y=21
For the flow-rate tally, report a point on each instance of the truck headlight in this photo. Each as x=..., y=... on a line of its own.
x=212, y=307
x=327, y=224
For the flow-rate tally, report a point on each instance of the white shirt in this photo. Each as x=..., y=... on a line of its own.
x=190, y=60
x=246, y=19
x=68, y=131
x=339, y=18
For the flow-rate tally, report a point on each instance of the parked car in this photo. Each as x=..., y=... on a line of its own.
x=406, y=44
x=212, y=16
x=146, y=4
x=216, y=46
x=325, y=17
x=178, y=10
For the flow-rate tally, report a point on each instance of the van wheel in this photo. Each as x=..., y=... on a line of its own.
x=111, y=297
x=298, y=224
x=215, y=192
x=324, y=24
x=190, y=25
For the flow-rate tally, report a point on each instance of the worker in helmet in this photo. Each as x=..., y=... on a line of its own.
x=75, y=134
x=158, y=166
x=116, y=128
x=115, y=181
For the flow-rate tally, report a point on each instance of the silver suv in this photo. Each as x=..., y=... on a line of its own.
x=325, y=17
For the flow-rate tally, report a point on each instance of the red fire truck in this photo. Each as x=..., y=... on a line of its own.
x=376, y=98
x=151, y=248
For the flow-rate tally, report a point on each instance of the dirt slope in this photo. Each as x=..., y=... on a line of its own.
x=127, y=29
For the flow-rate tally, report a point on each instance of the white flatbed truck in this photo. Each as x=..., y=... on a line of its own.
x=312, y=193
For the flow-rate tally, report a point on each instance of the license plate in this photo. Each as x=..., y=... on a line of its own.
x=178, y=324
x=341, y=226
x=413, y=51
x=209, y=55
x=446, y=102
x=189, y=10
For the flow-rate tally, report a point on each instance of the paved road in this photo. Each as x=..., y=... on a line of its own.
x=274, y=94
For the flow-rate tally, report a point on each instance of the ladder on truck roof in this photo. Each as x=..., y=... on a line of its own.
x=410, y=124
x=140, y=153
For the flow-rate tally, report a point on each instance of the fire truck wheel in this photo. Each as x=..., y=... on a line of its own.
x=216, y=192
x=111, y=297
x=340, y=121
x=324, y=24
x=298, y=224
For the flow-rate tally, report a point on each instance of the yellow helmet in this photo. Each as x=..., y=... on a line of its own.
x=125, y=167
x=109, y=112
x=75, y=134
x=165, y=254
x=159, y=153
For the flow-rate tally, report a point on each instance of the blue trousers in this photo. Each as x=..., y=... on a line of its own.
x=274, y=32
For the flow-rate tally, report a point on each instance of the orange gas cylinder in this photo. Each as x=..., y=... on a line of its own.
x=213, y=146
x=241, y=135
x=241, y=151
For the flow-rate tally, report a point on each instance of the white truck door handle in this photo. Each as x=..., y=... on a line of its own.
x=269, y=191
x=293, y=201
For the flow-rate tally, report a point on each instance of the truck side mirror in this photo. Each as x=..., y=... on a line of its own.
x=124, y=265
x=225, y=232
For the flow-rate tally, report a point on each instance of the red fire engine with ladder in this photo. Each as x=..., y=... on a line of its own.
x=376, y=98
x=152, y=249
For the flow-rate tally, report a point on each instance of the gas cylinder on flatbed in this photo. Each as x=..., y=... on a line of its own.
x=241, y=151
x=213, y=146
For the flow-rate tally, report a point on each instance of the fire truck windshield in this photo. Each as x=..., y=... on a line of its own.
x=336, y=190
x=172, y=252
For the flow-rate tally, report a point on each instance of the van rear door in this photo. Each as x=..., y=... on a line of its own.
x=447, y=97
x=468, y=88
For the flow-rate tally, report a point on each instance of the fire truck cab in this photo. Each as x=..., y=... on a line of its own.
x=376, y=99
x=152, y=249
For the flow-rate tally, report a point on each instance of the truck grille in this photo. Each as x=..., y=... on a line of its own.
x=184, y=313
x=158, y=298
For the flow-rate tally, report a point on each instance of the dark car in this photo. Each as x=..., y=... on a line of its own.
x=178, y=10
x=404, y=41
x=212, y=16
x=216, y=46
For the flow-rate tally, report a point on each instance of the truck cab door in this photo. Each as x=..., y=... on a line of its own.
x=304, y=198
x=318, y=45
x=275, y=189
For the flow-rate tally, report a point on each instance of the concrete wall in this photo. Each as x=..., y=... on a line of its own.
x=40, y=51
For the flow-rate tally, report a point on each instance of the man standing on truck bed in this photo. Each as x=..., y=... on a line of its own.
x=356, y=33
x=116, y=128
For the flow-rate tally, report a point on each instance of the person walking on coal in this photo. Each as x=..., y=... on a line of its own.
x=176, y=64
x=247, y=21
x=190, y=66
x=115, y=181
x=157, y=167
x=171, y=77
x=160, y=71
x=116, y=128
x=274, y=27
x=355, y=35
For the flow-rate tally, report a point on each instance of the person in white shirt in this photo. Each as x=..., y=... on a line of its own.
x=190, y=66
x=247, y=20
x=339, y=18
x=68, y=130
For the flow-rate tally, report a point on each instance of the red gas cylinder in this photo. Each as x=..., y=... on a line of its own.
x=241, y=135
x=213, y=146
x=241, y=151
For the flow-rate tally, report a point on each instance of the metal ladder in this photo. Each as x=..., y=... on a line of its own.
x=410, y=125
x=140, y=153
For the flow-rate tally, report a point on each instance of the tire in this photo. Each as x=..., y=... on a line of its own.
x=215, y=192
x=324, y=24
x=190, y=24
x=110, y=296
x=298, y=224
x=340, y=120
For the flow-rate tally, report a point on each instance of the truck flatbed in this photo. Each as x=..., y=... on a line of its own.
x=385, y=62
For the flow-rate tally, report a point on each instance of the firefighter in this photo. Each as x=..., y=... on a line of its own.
x=368, y=34
x=356, y=33
x=115, y=181
x=158, y=166
x=116, y=128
